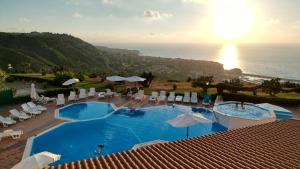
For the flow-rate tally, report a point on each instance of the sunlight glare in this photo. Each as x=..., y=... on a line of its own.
x=228, y=56
x=232, y=19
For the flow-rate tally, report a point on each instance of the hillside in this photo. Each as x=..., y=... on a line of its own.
x=34, y=51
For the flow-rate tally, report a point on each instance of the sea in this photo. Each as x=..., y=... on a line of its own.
x=274, y=60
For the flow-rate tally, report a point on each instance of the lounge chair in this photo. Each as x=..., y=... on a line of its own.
x=15, y=134
x=194, y=98
x=60, y=100
x=140, y=95
x=101, y=95
x=178, y=98
x=30, y=111
x=92, y=92
x=162, y=96
x=187, y=97
x=19, y=114
x=153, y=96
x=82, y=94
x=72, y=96
x=36, y=107
x=6, y=121
x=48, y=99
x=171, y=97
x=206, y=100
x=109, y=93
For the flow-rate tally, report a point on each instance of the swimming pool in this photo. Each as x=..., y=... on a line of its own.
x=232, y=115
x=119, y=131
x=85, y=111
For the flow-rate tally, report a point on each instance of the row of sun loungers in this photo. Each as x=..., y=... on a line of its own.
x=29, y=110
x=82, y=95
x=15, y=134
x=187, y=98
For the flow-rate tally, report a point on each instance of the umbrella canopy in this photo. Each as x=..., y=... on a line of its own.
x=272, y=107
x=115, y=78
x=37, y=161
x=188, y=119
x=135, y=79
x=33, y=93
x=70, y=81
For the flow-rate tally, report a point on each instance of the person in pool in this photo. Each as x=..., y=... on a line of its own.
x=100, y=148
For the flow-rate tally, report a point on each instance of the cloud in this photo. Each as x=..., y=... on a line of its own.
x=195, y=1
x=24, y=20
x=77, y=15
x=109, y=2
x=79, y=2
x=273, y=21
x=155, y=15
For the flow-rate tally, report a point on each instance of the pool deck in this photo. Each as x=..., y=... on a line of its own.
x=11, y=151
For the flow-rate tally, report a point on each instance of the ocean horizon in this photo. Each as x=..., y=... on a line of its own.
x=275, y=60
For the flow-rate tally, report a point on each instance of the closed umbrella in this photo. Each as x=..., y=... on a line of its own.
x=37, y=161
x=71, y=82
x=33, y=93
x=115, y=78
x=187, y=120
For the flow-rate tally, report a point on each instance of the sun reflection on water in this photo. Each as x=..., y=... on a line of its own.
x=228, y=56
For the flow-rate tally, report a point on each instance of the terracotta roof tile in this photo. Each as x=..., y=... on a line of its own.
x=272, y=145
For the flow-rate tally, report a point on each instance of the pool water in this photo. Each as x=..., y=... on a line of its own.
x=118, y=132
x=86, y=111
x=250, y=111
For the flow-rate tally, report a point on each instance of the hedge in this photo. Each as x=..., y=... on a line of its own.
x=6, y=96
x=259, y=99
x=30, y=78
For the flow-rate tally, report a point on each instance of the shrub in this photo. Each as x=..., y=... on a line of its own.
x=92, y=75
x=79, y=75
x=6, y=96
x=149, y=77
x=61, y=77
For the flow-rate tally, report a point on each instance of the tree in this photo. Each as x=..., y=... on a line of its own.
x=233, y=85
x=3, y=76
x=62, y=76
x=203, y=82
x=271, y=87
x=149, y=77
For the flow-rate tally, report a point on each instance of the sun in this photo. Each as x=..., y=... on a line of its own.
x=232, y=19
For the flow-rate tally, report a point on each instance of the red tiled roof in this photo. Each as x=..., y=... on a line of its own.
x=271, y=145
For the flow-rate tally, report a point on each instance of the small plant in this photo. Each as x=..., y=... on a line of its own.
x=174, y=86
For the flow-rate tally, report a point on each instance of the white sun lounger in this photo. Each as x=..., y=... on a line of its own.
x=140, y=95
x=92, y=92
x=171, y=97
x=153, y=96
x=15, y=134
x=187, y=97
x=82, y=94
x=72, y=96
x=101, y=95
x=30, y=111
x=6, y=121
x=19, y=114
x=162, y=96
x=178, y=98
x=194, y=98
x=47, y=99
x=60, y=100
x=109, y=93
x=36, y=107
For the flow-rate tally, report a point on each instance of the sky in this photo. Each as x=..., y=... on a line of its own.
x=157, y=21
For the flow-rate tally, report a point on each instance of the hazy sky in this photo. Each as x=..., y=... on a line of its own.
x=175, y=21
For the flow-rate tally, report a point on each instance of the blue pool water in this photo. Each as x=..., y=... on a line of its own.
x=86, y=111
x=118, y=132
x=250, y=111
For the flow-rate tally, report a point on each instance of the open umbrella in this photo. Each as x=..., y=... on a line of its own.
x=37, y=161
x=115, y=78
x=71, y=82
x=135, y=79
x=33, y=93
x=187, y=120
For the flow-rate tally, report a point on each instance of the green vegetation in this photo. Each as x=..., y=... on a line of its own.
x=48, y=53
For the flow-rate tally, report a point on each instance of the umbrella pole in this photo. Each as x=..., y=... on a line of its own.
x=187, y=132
